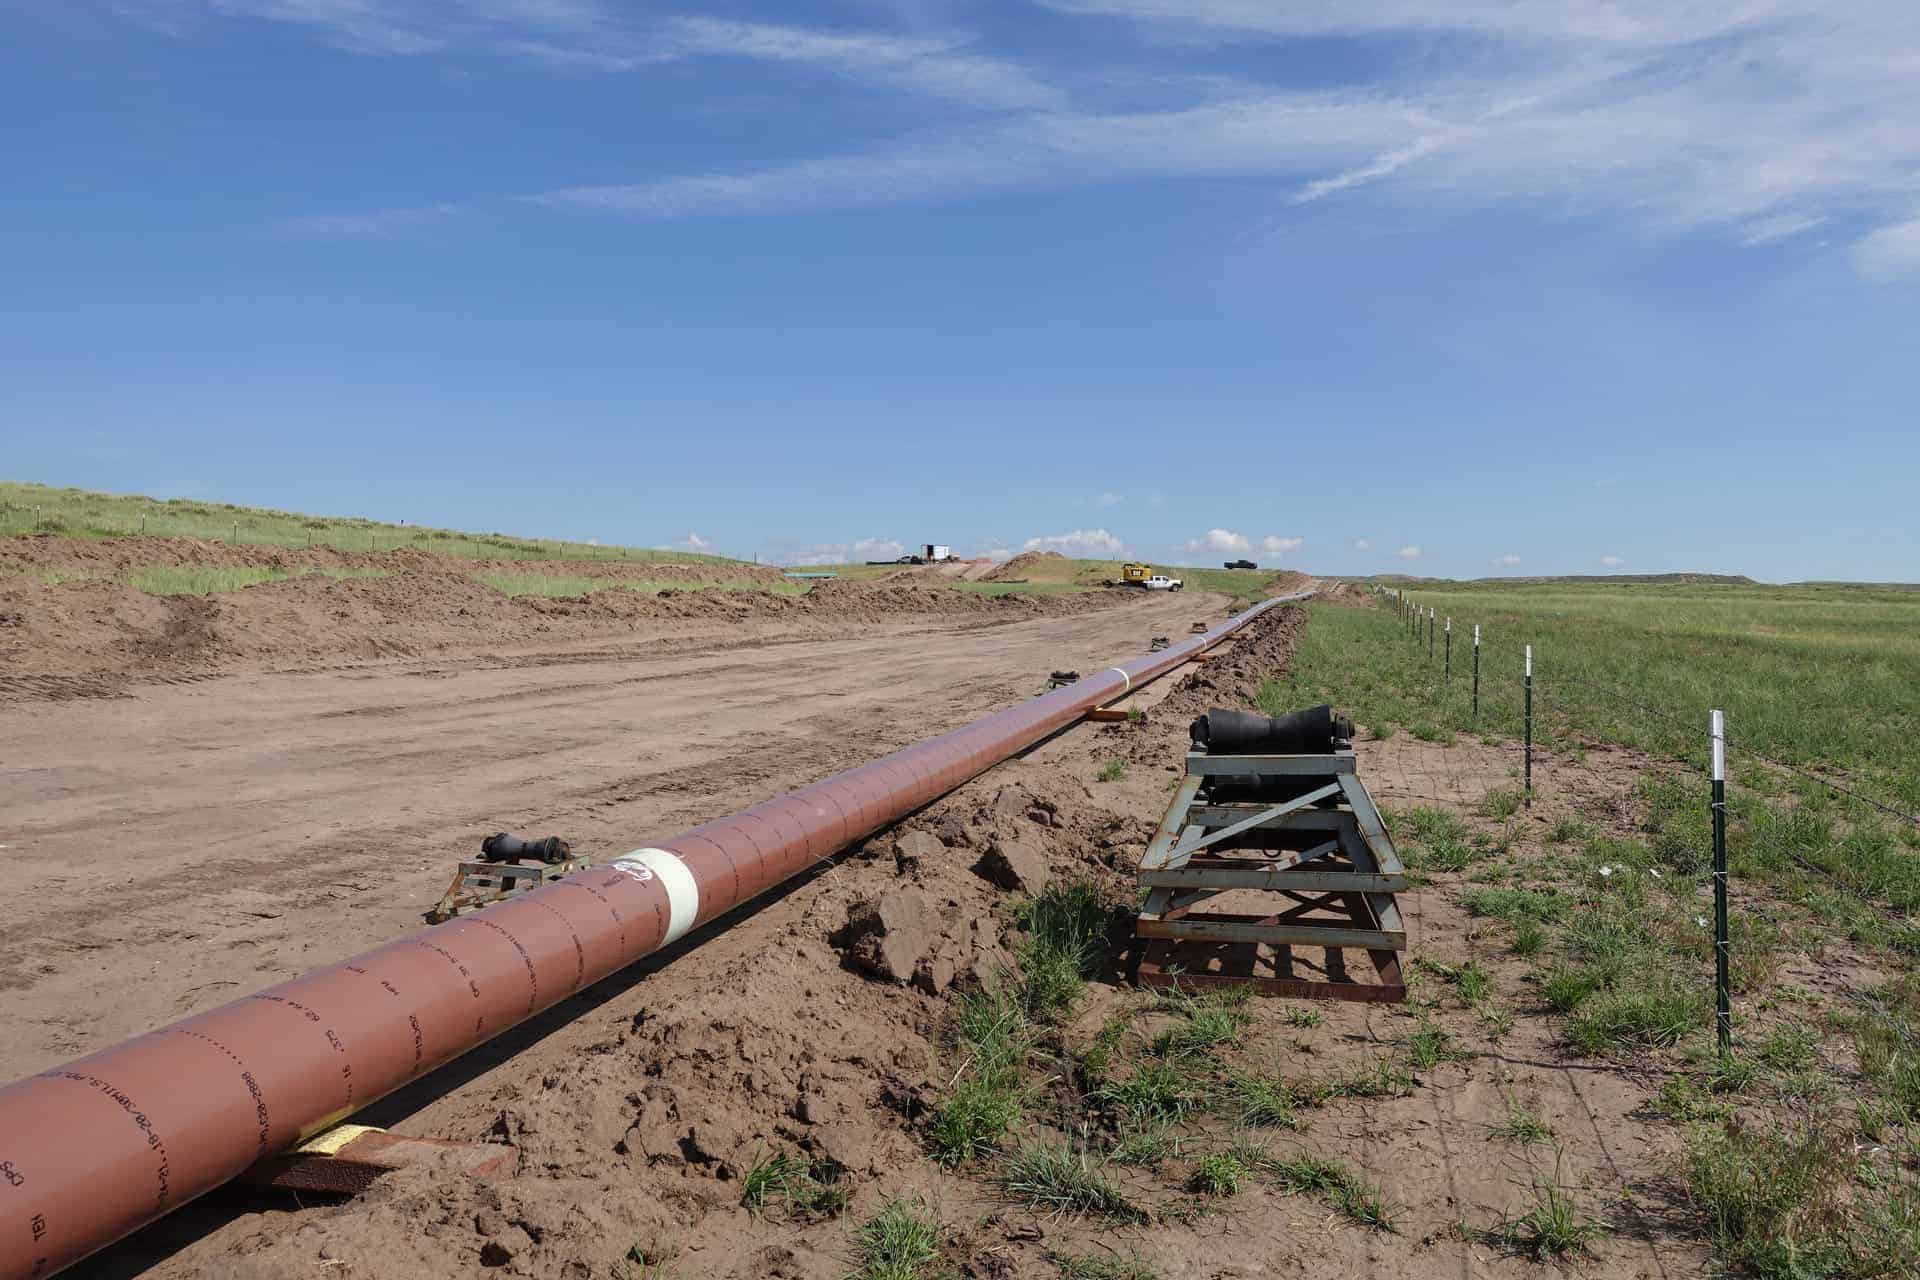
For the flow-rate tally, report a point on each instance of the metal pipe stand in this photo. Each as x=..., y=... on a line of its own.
x=1299, y=844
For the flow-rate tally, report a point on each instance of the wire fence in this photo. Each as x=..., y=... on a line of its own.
x=1508, y=690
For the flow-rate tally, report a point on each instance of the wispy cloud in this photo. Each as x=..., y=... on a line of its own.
x=383, y=224
x=1779, y=226
x=1758, y=120
x=1890, y=252
x=1361, y=544
x=1612, y=562
x=1505, y=562
x=409, y=28
x=1274, y=545
x=585, y=35
x=1409, y=552
x=1109, y=499
x=940, y=68
x=1762, y=119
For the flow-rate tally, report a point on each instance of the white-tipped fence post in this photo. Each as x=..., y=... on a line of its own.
x=1722, y=946
x=1528, y=788
x=1476, y=673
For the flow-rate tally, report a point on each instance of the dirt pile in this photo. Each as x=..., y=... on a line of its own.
x=113, y=635
x=111, y=556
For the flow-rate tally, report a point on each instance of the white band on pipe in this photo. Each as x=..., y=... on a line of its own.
x=1717, y=725
x=1529, y=661
x=1476, y=635
x=683, y=895
x=1127, y=678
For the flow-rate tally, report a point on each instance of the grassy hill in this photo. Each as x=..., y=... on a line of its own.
x=79, y=513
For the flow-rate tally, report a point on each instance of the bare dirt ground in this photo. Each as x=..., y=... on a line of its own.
x=178, y=848
x=70, y=627
x=195, y=842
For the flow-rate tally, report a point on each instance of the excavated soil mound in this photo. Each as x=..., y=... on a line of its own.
x=1288, y=581
x=112, y=556
x=105, y=634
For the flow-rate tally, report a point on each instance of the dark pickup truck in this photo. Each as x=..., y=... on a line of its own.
x=1241, y=564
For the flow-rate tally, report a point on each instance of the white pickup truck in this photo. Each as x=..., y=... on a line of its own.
x=1161, y=582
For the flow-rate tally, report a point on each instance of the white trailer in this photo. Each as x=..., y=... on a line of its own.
x=933, y=551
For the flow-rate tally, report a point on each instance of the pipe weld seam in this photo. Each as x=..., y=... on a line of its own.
x=683, y=894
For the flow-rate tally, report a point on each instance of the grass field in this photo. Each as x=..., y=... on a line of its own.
x=1813, y=675
x=1800, y=1146
x=78, y=513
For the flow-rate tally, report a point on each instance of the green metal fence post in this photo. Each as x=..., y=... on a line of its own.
x=1722, y=947
x=1528, y=789
x=1476, y=673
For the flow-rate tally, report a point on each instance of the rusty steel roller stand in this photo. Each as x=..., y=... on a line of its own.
x=1293, y=833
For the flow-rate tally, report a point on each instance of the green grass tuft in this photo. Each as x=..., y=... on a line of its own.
x=901, y=1242
x=1065, y=1179
x=1219, y=1175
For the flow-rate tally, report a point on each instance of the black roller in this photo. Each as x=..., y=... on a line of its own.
x=504, y=847
x=1225, y=732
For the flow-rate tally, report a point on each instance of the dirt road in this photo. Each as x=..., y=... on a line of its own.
x=171, y=850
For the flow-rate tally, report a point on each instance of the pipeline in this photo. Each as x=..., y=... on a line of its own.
x=94, y=1149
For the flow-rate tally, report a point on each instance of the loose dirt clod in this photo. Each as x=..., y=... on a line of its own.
x=1017, y=865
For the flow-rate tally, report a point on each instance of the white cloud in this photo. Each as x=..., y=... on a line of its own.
x=382, y=224
x=1093, y=544
x=1408, y=553
x=836, y=552
x=692, y=542
x=933, y=67
x=1156, y=500
x=584, y=35
x=993, y=549
x=1755, y=119
x=1220, y=542
x=1505, y=562
x=1612, y=562
x=1109, y=499
x=1890, y=252
x=409, y=28
x=1274, y=545
x=1362, y=544
x=1780, y=226
x=1759, y=118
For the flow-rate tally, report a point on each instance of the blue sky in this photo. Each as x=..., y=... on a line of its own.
x=1456, y=287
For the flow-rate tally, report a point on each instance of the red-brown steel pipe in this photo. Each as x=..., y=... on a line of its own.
x=92, y=1150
